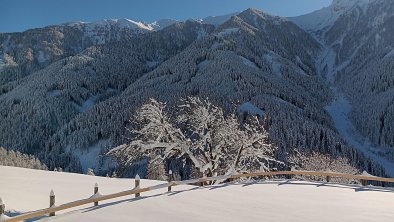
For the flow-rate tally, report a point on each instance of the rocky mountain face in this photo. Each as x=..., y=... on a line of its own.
x=75, y=104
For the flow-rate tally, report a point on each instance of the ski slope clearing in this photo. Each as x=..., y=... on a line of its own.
x=24, y=190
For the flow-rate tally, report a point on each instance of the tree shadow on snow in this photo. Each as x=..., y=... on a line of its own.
x=181, y=191
x=213, y=187
x=355, y=187
x=92, y=208
x=372, y=188
x=16, y=213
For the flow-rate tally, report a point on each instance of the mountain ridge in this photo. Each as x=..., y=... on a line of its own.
x=90, y=93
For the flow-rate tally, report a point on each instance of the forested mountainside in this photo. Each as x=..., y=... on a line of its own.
x=38, y=105
x=32, y=50
x=365, y=68
x=359, y=61
x=74, y=106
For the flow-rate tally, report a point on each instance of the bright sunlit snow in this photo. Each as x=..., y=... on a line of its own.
x=24, y=190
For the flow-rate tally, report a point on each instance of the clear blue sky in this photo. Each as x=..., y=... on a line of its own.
x=19, y=15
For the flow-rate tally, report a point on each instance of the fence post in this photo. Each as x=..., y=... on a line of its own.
x=137, y=184
x=328, y=178
x=363, y=182
x=290, y=176
x=52, y=202
x=2, y=207
x=169, y=179
x=96, y=189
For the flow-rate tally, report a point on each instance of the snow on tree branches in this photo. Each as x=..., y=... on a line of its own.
x=323, y=163
x=17, y=159
x=215, y=143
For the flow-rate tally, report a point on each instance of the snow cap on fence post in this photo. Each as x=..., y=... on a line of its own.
x=52, y=202
x=291, y=176
x=366, y=174
x=137, y=184
x=169, y=179
x=96, y=188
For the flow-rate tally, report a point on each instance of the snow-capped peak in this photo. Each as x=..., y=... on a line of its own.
x=162, y=23
x=121, y=23
x=128, y=23
x=326, y=17
x=254, y=12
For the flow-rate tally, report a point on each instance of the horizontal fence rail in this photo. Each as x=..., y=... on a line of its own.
x=137, y=190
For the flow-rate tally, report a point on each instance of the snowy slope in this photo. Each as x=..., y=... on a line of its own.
x=161, y=24
x=153, y=26
x=217, y=20
x=107, y=23
x=326, y=17
x=24, y=190
x=330, y=65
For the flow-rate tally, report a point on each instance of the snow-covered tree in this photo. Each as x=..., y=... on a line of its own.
x=17, y=159
x=215, y=143
x=322, y=163
x=90, y=172
x=156, y=170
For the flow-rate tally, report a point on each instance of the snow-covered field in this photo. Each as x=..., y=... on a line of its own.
x=23, y=190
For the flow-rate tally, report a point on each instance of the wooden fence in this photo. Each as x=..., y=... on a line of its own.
x=137, y=190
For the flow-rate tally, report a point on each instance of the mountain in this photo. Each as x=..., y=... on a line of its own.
x=76, y=105
x=225, y=64
x=357, y=63
x=29, y=51
x=26, y=52
x=71, y=86
x=364, y=71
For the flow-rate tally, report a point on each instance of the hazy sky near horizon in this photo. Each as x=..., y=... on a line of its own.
x=19, y=15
